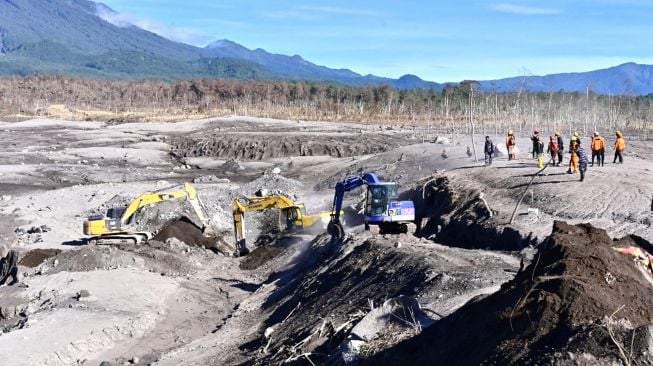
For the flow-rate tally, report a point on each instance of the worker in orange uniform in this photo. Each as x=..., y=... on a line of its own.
x=573, y=162
x=598, y=149
x=511, y=142
x=619, y=147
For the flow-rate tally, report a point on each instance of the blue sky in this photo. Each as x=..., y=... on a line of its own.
x=436, y=40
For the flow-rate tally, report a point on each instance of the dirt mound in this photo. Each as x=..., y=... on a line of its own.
x=576, y=301
x=259, y=256
x=152, y=256
x=269, y=245
x=266, y=147
x=273, y=184
x=185, y=231
x=334, y=292
x=37, y=256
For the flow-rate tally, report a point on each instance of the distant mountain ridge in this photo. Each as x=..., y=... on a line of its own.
x=295, y=67
x=626, y=79
x=85, y=38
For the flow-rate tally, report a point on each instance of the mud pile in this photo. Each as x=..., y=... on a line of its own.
x=266, y=147
x=35, y=257
x=153, y=256
x=268, y=246
x=578, y=302
x=190, y=234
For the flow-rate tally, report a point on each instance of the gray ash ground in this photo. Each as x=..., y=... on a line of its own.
x=301, y=298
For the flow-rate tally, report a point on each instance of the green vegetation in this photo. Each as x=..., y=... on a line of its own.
x=48, y=57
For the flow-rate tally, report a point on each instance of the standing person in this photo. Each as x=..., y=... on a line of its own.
x=535, y=138
x=573, y=161
x=572, y=139
x=598, y=149
x=554, y=150
x=511, y=142
x=539, y=151
x=582, y=160
x=561, y=147
x=619, y=147
x=489, y=150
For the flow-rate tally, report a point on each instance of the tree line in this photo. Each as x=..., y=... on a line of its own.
x=456, y=107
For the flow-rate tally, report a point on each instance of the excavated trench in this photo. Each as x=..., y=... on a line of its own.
x=266, y=147
x=458, y=217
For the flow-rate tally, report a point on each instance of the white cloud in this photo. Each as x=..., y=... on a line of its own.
x=524, y=10
x=183, y=35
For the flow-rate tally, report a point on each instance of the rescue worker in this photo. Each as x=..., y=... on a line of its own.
x=598, y=149
x=489, y=150
x=573, y=161
x=561, y=147
x=535, y=139
x=582, y=160
x=572, y=139
x=511, y=142
x=619, y=147
x=554, y=150
x=539, y=151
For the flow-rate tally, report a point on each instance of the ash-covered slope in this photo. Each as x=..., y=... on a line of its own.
x=578, y=301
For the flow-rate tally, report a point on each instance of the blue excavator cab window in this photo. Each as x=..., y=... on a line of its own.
x=377, y=198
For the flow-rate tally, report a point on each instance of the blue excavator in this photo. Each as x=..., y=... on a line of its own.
x=381, y=207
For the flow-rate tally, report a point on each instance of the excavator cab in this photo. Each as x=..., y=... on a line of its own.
x=378, y=196
x=294, y=217
x=382, y=208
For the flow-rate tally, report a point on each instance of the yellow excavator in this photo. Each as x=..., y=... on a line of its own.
x=114, y=227
x=293, y=213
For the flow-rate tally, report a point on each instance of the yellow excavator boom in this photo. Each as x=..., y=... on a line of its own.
x=295, y=214
x=105, y=226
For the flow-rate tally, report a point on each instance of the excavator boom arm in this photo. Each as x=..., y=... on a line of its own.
x=241, y=205
x=346, y=185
